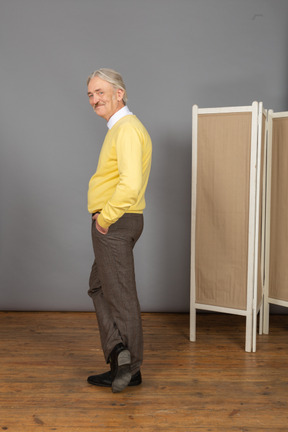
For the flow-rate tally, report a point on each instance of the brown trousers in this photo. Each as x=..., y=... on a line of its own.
x=113, y=287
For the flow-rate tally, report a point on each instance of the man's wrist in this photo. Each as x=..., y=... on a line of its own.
x=101, y=229
x=101, y=221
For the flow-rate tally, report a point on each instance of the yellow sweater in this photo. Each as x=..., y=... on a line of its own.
x=121, y=178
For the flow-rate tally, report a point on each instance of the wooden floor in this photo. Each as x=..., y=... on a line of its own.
x=208, y=385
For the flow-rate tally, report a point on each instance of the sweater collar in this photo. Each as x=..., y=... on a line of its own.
x=118, y=115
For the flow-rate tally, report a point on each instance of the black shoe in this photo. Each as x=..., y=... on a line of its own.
x=120, y=360
x=105, y=379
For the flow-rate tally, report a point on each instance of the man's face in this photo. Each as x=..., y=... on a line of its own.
x=103, y=98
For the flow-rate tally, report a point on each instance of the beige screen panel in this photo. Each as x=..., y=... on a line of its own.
x=278, y=286
x=222, y=211
x=261, y=233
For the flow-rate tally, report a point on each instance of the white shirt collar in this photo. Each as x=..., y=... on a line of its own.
x=118, y=115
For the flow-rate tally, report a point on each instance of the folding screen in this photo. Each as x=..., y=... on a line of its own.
x=226, y=224
x=276, y=262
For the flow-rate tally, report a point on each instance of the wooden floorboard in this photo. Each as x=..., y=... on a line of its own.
x=210, y=385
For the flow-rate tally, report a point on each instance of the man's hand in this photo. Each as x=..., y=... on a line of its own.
x=103, y=231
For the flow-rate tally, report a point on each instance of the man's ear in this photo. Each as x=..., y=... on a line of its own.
x=119, y=94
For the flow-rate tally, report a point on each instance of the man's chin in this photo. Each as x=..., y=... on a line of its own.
x=97, y=110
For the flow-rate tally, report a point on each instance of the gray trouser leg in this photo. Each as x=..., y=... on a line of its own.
x=113, y=287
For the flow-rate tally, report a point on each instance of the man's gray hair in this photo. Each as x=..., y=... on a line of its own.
x=112, y=77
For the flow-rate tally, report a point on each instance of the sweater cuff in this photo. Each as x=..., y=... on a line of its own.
x=101, y=221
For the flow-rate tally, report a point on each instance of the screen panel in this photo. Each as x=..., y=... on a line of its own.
x=261, y=221
x=278, y=283
x=222, y=211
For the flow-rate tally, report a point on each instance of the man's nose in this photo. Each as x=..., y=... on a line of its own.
x=95, y=99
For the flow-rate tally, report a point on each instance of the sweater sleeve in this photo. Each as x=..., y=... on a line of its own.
x=129, y=160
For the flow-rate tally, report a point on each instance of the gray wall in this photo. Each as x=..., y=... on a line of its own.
x=172, y=54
